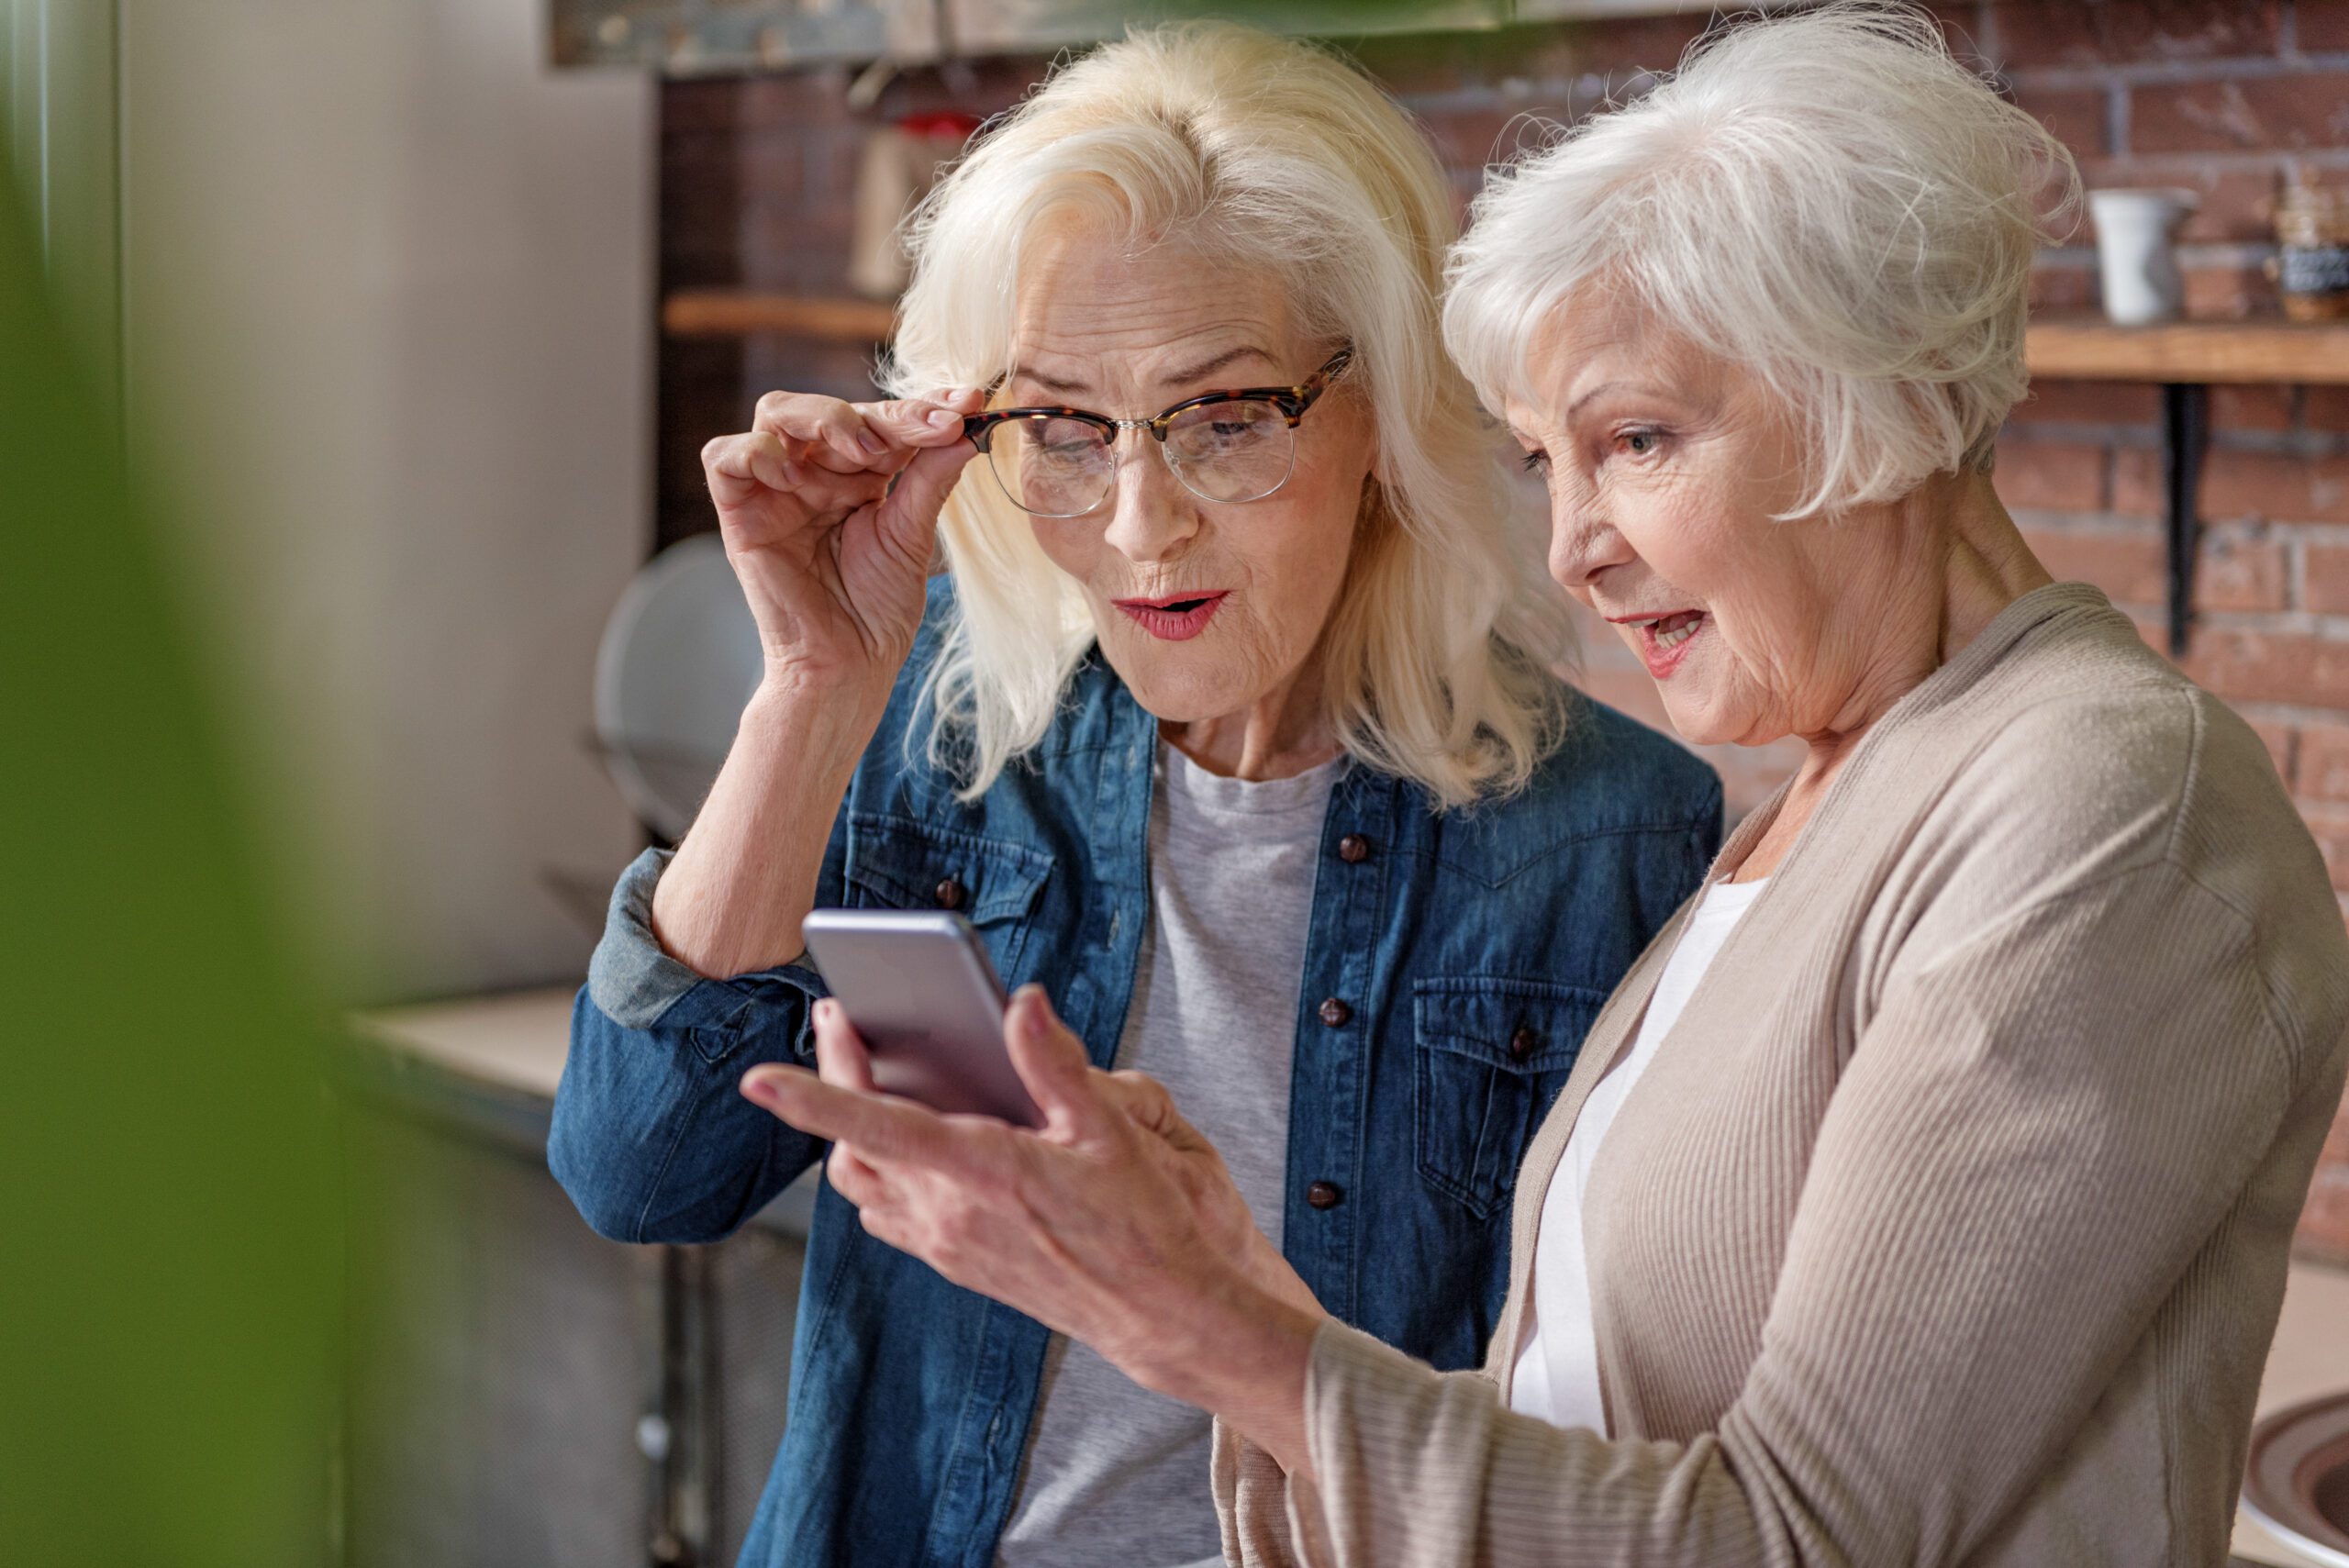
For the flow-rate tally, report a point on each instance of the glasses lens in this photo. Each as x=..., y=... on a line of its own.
x=1055, y=467
x=1237, y=450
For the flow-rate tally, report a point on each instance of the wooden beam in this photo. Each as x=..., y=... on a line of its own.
x=2084, y=349
x=734, y=312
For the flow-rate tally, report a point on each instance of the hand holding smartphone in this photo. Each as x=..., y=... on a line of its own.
x=918, y=985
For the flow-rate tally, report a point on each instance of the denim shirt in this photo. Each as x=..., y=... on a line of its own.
x=1454, y=961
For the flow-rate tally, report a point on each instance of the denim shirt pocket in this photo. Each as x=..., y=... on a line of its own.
x=1490, y=1054
x=896, y=862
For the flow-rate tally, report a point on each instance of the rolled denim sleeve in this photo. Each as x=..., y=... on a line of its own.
x=650, y=1138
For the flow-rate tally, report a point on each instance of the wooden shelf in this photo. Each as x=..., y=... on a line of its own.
x=738, y=313
x=2059, y=348
x=2191, y=352
x=2185, y=359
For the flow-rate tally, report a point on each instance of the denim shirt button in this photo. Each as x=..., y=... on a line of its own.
x=949, y=894
x=1325, y=1194
x=1523, y=1044
x=1335, y=1013
x=1354, y=848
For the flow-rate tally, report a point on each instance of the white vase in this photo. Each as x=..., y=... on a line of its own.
x=2135, y=255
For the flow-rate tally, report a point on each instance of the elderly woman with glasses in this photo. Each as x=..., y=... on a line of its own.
x=1231, y=722
x=1924, y=1192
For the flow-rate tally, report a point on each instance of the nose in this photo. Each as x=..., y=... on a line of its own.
x=1583, y=543
x=1151, y=514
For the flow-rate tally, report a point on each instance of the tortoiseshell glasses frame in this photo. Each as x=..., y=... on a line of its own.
x=1063, y=463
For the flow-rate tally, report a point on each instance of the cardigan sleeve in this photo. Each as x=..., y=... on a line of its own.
x=1252, y=1504
x=2035, y=1134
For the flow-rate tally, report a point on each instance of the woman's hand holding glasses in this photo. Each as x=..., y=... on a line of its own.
x=829, y=510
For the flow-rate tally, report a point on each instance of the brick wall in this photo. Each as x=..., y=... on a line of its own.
x=2221, y=96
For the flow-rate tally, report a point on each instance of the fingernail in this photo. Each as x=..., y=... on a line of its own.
x=941, y=417
x=825, y=1009
x=873, y=444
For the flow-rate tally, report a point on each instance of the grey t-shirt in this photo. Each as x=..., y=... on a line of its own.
x=1115, y=1474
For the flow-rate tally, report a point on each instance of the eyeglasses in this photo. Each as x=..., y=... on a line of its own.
x=1223, y=446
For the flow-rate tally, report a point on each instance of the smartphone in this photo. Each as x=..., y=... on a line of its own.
x=918, y=985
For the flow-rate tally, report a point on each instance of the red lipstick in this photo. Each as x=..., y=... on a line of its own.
x=1174, y=618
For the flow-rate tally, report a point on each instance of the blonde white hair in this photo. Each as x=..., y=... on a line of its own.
x=1826, y=198
x=1439, y=653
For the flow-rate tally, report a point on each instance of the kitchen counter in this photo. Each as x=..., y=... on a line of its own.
x=514, y=1043
x=492, y=1063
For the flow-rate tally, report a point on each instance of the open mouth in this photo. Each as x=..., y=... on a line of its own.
x=1174, y=617
x=1665, y=637
x=1672, y=630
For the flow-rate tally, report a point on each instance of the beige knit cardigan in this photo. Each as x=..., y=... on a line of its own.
x=1949, y=1223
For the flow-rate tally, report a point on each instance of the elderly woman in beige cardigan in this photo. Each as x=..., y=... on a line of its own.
x=1954, y=1133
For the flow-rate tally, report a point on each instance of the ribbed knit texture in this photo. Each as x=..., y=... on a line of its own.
x=1950, y=1223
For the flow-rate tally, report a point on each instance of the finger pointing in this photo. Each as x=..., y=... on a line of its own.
x=882, y=1127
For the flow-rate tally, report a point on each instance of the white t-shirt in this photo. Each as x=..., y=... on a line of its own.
x=1113, y=1472
x=1556, y=1377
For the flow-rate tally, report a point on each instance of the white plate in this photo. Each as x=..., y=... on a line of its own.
x=678, y=662
x=2297, y=1483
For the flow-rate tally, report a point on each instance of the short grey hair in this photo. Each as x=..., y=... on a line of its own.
x=1827, y=199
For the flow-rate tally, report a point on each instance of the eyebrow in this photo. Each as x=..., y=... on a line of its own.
x=1175, y=378
x=1575, y=407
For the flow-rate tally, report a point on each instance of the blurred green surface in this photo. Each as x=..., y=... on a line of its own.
x=167, y=1257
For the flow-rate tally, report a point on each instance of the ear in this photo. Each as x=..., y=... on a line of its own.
x=1372, y=505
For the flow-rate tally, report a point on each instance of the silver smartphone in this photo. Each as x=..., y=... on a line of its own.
x=920, y=989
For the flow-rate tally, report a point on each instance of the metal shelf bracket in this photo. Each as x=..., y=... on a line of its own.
x=2186, y=440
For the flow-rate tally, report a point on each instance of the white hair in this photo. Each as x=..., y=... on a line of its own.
x=1827, y=199
x=1439, y=653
